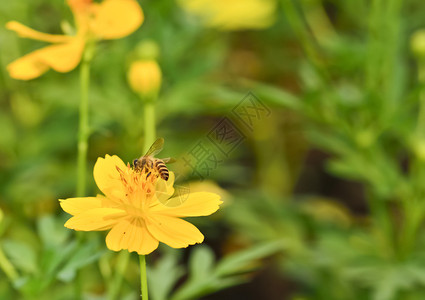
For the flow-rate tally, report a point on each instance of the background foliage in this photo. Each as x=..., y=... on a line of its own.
x=323, y=200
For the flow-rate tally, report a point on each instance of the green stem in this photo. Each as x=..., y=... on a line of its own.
x=150, y=135
x=317, y=21
x=381, y=217
x=413, y=217
x=7, y=267
x=412, y=207
x=301, y=29
x=383, y=45
x=83, y=130
x=143, y=277
x=150, y=132
x=297, y=21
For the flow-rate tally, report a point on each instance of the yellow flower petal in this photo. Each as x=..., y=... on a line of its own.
x=116, y=19
x=60, y=57
x=233, y=15
x=196, y=204
x=75, y=206
x=108, y=178
x=26, y=32
x=174, y=232
x=95, y=219
x=27, y=67
x=209, y=186
x=165, y=189
x=63, y=57
x=131, y=235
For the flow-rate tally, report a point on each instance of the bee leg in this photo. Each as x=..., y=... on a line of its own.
x=149, y=174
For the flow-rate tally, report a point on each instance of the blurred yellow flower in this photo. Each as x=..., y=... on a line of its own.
x=110, y=19
x=144, y=77
x=417, y=43
x=132, y=208
x=233, y=14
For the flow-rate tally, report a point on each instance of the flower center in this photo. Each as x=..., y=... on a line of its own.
x=139, y=187
x=79, y=5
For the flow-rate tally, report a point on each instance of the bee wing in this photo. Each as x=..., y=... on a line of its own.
x=168, y=160
x=155, y=148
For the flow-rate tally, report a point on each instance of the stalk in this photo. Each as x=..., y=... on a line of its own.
x=83, y=128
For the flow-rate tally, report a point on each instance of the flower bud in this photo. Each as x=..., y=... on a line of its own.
x=144, y=77
x=147, y=49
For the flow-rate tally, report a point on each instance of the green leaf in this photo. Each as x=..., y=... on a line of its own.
x=205, y=278
x=52, y=258
x=245, y=260
x=387, y=286
x=417, y=272
x=52, y=232
x=196, y=289
x=275, y=96
x=201, y=263
x=21, y=255
x=163, y=276
x=85, y=254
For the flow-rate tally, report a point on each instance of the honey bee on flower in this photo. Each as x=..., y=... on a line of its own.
x=149, y=164
x=132, y=209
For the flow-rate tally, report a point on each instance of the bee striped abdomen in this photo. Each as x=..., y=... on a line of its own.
x=162, y=169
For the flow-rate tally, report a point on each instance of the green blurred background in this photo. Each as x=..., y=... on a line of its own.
x=323, y=198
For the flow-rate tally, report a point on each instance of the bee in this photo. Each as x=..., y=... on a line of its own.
x=148, y=162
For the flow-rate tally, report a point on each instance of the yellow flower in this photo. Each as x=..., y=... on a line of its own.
x=233, y=14
x=144, y=77
x=134, y=211
x=417, y=43
x=111, y=19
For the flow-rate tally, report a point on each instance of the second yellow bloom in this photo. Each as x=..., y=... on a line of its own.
x=110, y=19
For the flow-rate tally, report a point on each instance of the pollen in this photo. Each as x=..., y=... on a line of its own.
x=136, y=183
